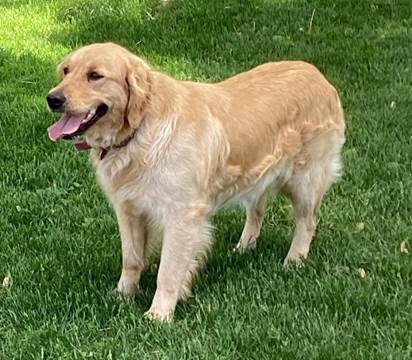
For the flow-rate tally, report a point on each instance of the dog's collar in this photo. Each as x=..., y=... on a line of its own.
x=104, y=151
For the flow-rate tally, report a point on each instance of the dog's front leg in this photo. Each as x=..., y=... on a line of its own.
x=185, y=243
x=133, y=234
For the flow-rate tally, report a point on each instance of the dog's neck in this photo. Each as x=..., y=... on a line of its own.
x=123, y=143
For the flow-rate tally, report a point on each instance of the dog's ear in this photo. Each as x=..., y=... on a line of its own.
x=138, y=83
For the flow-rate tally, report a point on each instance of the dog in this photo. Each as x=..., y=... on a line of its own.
x=168, y=154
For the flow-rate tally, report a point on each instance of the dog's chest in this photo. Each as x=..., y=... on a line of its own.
x=152, y=191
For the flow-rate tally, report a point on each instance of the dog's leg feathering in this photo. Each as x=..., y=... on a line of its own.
x=306, y=189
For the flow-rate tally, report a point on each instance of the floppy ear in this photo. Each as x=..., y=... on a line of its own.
x=138, y=83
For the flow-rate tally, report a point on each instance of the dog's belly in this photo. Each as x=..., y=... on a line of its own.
x=271, y=181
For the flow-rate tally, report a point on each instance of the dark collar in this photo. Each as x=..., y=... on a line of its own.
x=104, y=151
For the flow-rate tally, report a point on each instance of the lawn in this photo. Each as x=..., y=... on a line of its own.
x=59, y=244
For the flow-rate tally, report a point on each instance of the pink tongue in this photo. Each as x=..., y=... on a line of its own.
x=67, y=125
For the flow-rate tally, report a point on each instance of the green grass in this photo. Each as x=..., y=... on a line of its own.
x=59, y=241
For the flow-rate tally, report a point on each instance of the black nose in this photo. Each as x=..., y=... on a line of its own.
x=56, y=100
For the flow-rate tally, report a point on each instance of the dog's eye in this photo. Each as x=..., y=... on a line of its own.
x=65, y=70
x=93, y=76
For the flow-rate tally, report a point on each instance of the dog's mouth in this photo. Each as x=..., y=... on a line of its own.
x=71, y=126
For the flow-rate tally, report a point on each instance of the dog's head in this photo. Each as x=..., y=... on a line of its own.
x=102, y=95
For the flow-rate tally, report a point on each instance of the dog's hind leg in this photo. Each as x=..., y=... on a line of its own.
x=255, y=212
x=306, y=189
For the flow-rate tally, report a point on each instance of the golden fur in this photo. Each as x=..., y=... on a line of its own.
x=196, y=147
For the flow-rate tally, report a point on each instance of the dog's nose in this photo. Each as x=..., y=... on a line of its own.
x=56, y=100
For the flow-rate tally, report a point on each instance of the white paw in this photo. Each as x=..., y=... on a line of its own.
x=126, y=288
x=294, y=259
x=158, y=316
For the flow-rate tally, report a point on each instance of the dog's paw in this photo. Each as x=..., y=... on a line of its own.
x=294, y=259
x=245, y=246
x=154, y=316
x=126, y=289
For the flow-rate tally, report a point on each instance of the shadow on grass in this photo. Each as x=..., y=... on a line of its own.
x=220, y=38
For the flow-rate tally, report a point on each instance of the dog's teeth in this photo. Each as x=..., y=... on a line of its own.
x=88, y=117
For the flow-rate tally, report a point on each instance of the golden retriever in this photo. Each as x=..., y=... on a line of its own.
x=168, y=154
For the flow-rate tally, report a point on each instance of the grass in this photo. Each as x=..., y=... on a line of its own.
x=59, y=241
